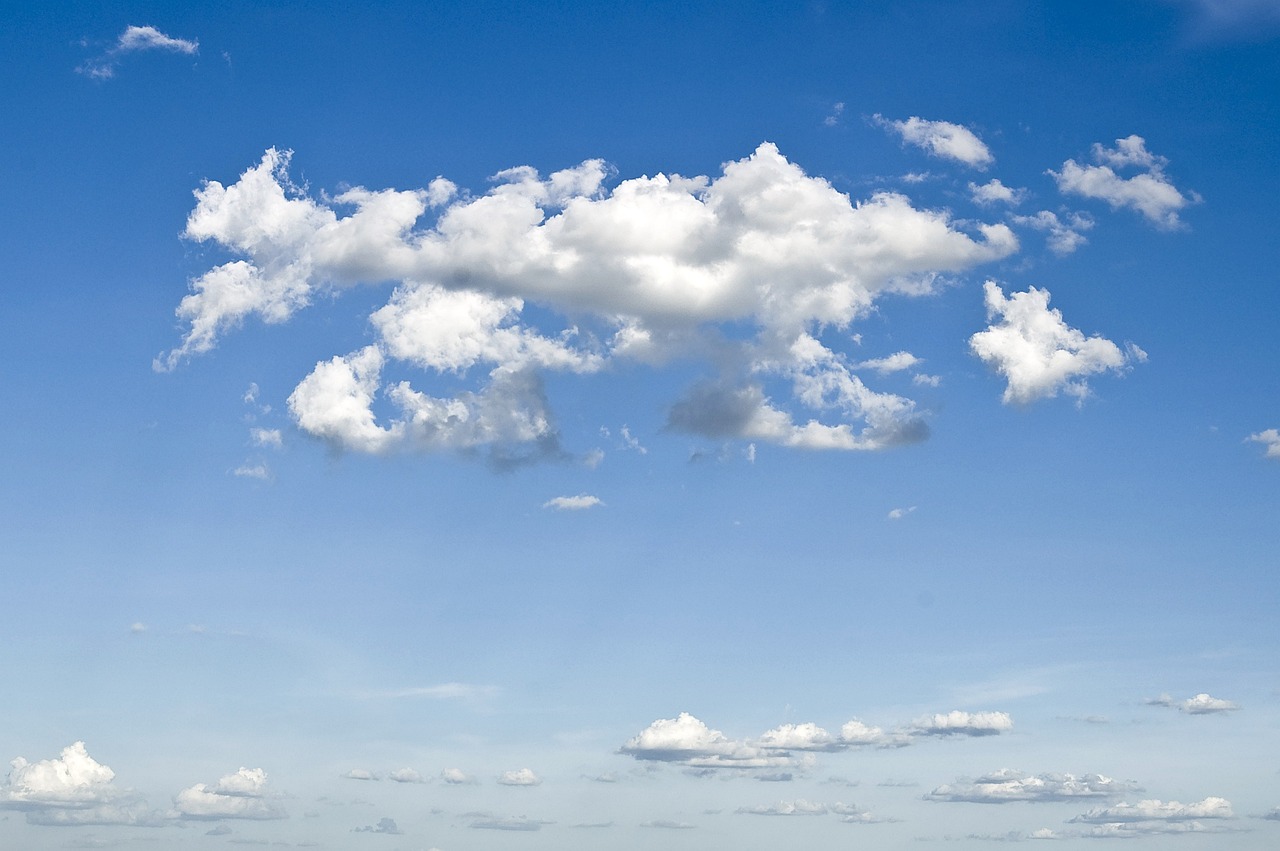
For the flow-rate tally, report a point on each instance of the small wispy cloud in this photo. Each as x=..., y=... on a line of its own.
x=573, y=503
x=899, y=513
x=133, y=40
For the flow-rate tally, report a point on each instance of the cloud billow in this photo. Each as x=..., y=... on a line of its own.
x=655, y=270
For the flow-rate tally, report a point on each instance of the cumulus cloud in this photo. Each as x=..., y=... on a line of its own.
x=572, y=503
x=1270, y=439
x=1007, y=785
x=995, y=192
x=519, y=777
x=242, y=795
x=687, y=740
x=1150, y=193
x=406, y=775
x=941, y=139
x=1038, y=354
x=958, y=723
x=1063, y=237
x=653, y=270
x=73, y=789
x=133, y=40
x=457, y=777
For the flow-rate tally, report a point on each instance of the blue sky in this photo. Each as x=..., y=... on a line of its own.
x=693, y=426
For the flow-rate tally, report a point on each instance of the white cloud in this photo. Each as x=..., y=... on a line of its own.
x=520, y=823
x=995, y=192
x=688, y=741
x=1037, y=352
x=1154, y=810
x=1150, y=193
x=1270, y=438
x=253, y=471
x=798, y=807
x=457, y=777
x=763, y=245
x=837, y=109
x=242, y=795
x=360, y=774
x=942, y=139
x=895, y=362
x=1007, y=785
x=924, y=380
x=958, y=723
x=572, y=503
x=800, y=737
x=899, y=513
x=73, y=779
x=266, y=437
x=1063, y=237
x=667, y=824
x=133, y=40
x=519, y=777
x=1203, y=704
x=406, y=775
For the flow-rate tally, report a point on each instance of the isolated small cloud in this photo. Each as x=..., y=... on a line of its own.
x=137, y=627
x=958, y=723
x=252, y=471
x=895, y=362
x=360, y=774
x=266, y=437
x=384, y=825
x=1203, y=704
x=1150, y=193
x=1038, y=354
x=580, y=502
x=798, y=807
x=1270, y=439
x=941, y=139
x=1063, y=237
x=837, y=109
x=133, y=40
x=519, y=777
x=667, y=824
x=406, y=775
x=899, y=513
x=457, y=777
x=995, y=192
x=1006, y=786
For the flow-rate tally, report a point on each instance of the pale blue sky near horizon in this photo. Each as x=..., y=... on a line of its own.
x=1016, y=545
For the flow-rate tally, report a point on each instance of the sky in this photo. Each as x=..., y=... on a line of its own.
x=672, y=426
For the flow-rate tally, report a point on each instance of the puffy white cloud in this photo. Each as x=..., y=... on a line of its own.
x=242, y=795
x=1063, y=237
x=519, y=777
x=958, y=723
x=942, y=139
x=1158, y=811
x=995, y=192
x=1269, y=438
x=573, y=503
x=798, y=807
x=1007, y=785
x=406, y=775
x=899, y=513
x=688, y=741
x=1150, y=193
x=654, y=269
x=800, y=737
x=1200, y=704
x=1203, y=704
x=132, y=40
x=1040, y=355
x=72, y=789
x=457, y=777
x=360, y=774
